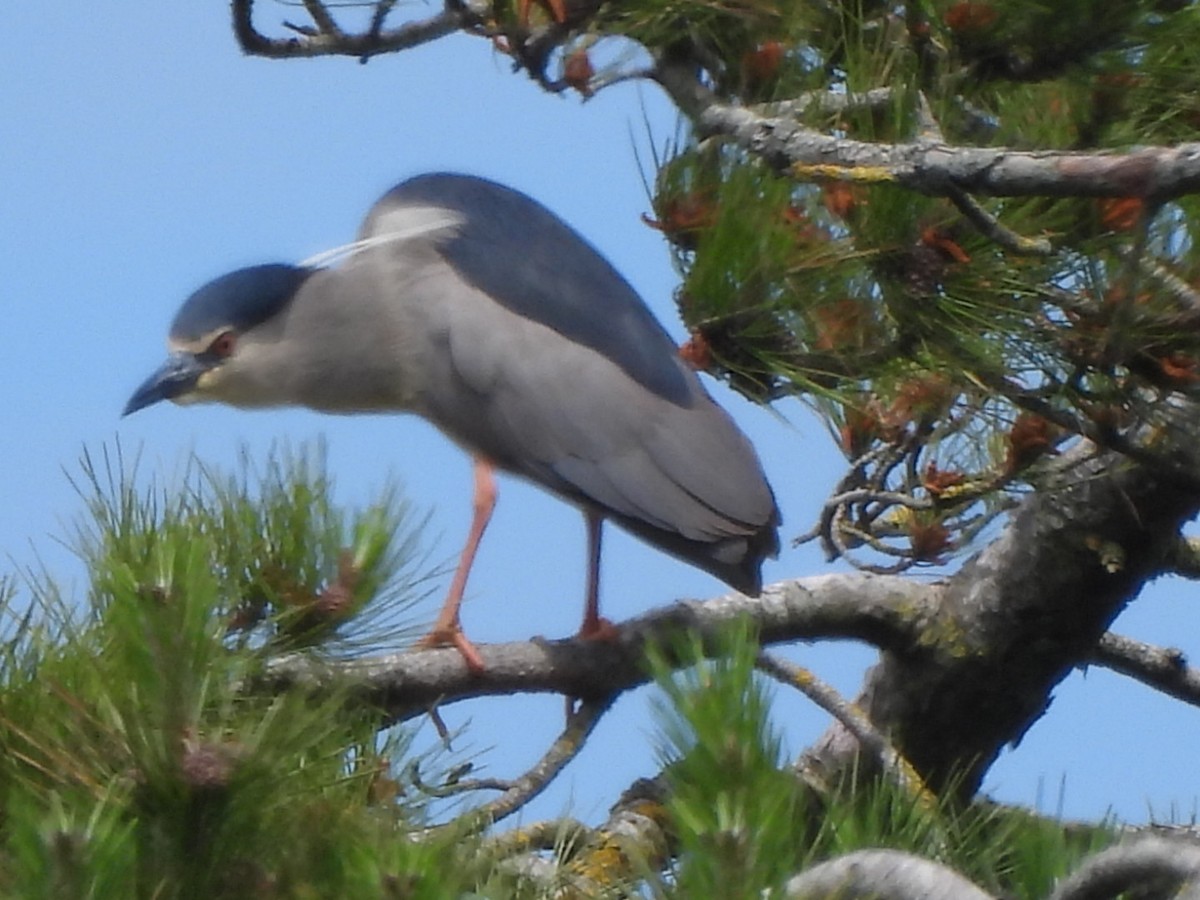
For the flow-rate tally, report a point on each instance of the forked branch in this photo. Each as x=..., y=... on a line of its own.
x=886, y=612
x=326, y=37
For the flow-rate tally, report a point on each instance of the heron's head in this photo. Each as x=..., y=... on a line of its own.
x=225, y=339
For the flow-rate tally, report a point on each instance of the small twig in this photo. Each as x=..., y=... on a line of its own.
x=1185, y=295
x=875, y=541
x=829, y=102
x=382, y=8
x=933, y=168
x=1183, y=557
x=991, y=228
x=1162, y=668
x=439, y=725
x=307, y=31
x=929, y=129
x=987, y=224
x=970, y=529
x=896, y=766
x=890, y=498
x=546, y=835
x=881, y=458
x=451, y=789
x=565, y=748
x=338, y=43
x=323, y=18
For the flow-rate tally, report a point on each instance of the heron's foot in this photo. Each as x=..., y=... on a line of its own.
x=452, y=636
x=599, y=629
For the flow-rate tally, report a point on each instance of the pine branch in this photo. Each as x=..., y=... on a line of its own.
x=1183, y=557
x=1148, y=863
x=894, y=765
x=1018, y=617
x=1162, y=668
x=544, y=835
x=887, y=612
x=633, y=839
x=565, y=748
x=936, y=169
x=883, y=874
x=328, y=39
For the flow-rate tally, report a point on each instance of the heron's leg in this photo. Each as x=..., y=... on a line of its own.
x=557, y=10
x=594, y=625
x=448, y=628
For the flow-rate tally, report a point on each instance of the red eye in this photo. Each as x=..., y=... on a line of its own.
x=223, y=344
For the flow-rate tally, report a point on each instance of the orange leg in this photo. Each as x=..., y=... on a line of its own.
x=594, y=626
x=557, y=10
x=447, y=630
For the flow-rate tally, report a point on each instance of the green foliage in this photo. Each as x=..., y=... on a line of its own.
x=144, y=757
x=945, y=340
x=1005, y=851
x=139, y=757
x=743, y=822
x=266, y=546
x=734, y=806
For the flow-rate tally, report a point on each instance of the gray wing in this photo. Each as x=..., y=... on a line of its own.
x=543, y=359
x=527, y=259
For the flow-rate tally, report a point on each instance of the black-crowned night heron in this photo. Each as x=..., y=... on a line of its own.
x=472, y=305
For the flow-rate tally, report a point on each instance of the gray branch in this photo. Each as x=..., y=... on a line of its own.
x=886, y=612
x=1154, y=866
x=882, y=875
x=935, y=168
x=1162, y=668
x=1184, y=557
x=564, y=749
x=895, y=766
x=329, y=40
x=1024, y=612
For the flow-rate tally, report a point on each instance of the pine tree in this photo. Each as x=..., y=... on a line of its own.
x=961, y=232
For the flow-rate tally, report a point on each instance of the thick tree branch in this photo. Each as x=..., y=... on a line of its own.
x=1151, y=865
x=1162, y=668
x=886, y=612
x=1183, y=557
x=936, y=169
x=634, y=839
x=1157, y=866
x=1020, y=615
x=882, y=875
x=825, y=102
x=544, y=835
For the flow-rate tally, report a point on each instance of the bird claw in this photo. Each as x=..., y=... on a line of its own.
x=599, y=629
x=452, y=636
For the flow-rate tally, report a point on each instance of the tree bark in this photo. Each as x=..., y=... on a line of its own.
x=1014, y=621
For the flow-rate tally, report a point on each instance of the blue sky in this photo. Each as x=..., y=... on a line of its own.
x=141, y=154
